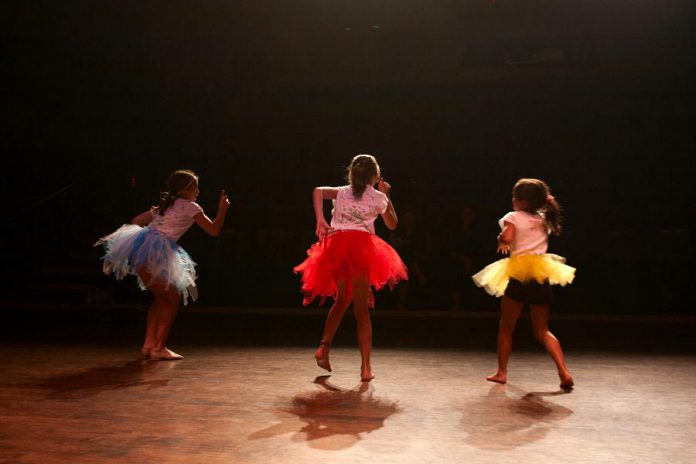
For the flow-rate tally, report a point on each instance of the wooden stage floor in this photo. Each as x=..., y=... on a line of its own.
x=77, y=403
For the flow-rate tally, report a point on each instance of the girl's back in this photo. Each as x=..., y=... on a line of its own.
x=177, y=219
x=531, y=233
x=353, y=213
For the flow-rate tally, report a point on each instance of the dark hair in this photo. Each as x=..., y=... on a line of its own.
x=178, y=181
x=361, y=172
x=538, y=199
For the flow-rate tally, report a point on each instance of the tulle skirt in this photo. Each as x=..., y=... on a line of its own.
x=541, y=268
x=344, y=255
x=131, y=248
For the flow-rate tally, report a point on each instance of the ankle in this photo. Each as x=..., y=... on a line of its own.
x=324, y=346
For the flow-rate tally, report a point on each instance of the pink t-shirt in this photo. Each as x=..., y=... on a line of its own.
x=350, y=213
x=177, y=219
x=531, y=233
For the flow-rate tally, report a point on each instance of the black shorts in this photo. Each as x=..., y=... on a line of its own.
x=530, y=293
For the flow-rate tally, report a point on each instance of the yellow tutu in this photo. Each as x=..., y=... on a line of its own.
x=544, y=267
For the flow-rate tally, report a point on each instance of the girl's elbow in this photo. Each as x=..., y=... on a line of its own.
x=211, y=230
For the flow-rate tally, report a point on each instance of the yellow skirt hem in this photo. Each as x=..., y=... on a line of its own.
x=547, y=267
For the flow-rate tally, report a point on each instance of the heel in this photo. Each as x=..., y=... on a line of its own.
x=323, y=360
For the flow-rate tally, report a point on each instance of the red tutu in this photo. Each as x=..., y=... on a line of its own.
x=344, y=255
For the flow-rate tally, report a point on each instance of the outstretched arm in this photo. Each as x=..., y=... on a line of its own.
x=214, y=227
x=142, y=219
x=389, y=216
x=319, y=195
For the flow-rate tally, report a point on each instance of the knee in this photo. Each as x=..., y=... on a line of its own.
x=172, y=299
x=361, y=315
x=506, y=330
x=342, y=303
x=540, y=334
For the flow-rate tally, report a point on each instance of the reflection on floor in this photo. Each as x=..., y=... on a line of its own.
x=87, y=404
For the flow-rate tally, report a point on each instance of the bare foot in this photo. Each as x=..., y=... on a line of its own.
x=322, y=356
x=497, y=378
x=145, y=352
x=165, y=355
x=366, y=374
x=566, y=380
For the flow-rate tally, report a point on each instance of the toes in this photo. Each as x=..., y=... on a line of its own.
x=496, y=379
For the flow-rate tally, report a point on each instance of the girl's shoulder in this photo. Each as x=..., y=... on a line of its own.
x=525, y=215
x=517, y=218
x=182, y=205
x=347, y=191
x=343, y=191
x=510, y=216
x=369, y=195
x=376, y=192
x=372, y=194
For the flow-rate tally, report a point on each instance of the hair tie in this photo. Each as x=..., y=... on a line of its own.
x=550, y=199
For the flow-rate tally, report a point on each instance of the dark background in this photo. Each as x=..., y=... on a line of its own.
x=457, y=99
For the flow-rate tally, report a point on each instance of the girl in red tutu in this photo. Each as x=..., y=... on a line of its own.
x=349, y=260
x=527, y=275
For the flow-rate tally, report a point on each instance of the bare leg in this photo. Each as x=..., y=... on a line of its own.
x=540, y=324
x=510, y=311
x=152, y=316
x=169, y=306
x=333, y=320
x=364, y=326
x=160, y=318
x=150, y=329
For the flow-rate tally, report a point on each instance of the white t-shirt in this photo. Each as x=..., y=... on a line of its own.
x=350, y=213
x=531, y=233
x=177, y=219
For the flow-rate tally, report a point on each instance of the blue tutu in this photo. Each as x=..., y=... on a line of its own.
x=132, y=247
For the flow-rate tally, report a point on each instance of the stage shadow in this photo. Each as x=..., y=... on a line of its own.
x=507, y=418
x=333, y=418
x=95, y=380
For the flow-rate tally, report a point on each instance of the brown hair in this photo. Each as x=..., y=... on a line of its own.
x=538, y=199
x=178, y=181
x=362, y=170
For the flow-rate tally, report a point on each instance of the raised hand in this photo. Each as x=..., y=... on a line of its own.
x=224, y=201
x=383, y=186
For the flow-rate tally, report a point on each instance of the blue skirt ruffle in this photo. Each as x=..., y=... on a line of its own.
x=131, y=248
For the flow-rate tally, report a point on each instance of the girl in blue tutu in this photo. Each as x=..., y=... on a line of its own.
x=147, y=249
x=527, y=275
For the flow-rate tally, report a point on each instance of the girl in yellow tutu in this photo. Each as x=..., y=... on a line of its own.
x=527, y=275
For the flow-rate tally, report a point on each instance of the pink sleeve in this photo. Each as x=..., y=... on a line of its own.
x=510, y=217
x=382, y=204
x=193, y=208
